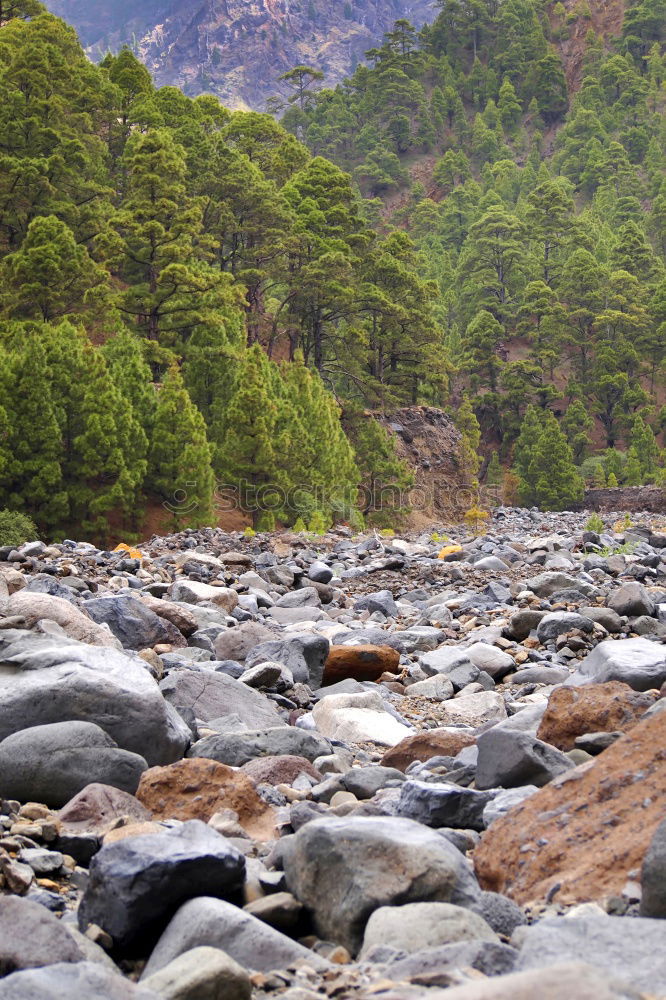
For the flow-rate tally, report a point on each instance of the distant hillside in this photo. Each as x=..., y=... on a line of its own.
x=237, y=49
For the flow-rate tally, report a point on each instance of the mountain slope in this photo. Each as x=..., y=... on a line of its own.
x=237, y=49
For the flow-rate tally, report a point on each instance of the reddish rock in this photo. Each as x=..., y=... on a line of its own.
x=96, y=808
x=426, y=744
x=198, y=788
x=362, y=663
x=278, y=770
x=593, y=708
x=578, y=838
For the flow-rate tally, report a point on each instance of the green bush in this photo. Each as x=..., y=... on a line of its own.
x=16, y=528
x=595, y=523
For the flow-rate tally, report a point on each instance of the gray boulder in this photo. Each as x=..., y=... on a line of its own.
x=547, y=584
x=489, y=957
x=653, y=875
x=443, y=804
x=76, y=624
x=381, y=601
x=558, y=622
x=30, y=937
x=343, y=869
x=632, y=600
x=565, y=981
x=236, y=749
x=132, y=623
x=640, y=663
x=53, y=763
x=444, y=660
x=632, y=950
x=216, y=924
x=320, y=572
x=212, y=695
x=423, y=925
x=510, y=759
x=82, y=981
x=305, y=597
x=504, y=801
x=48, y=679
x=136, y=884
x=365, y=782
x=523, y=622
x=304, y=654
x=235, y=643
x=201, y=974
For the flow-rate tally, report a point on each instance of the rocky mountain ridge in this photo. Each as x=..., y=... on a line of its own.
x=237, y=49
x=298, y=767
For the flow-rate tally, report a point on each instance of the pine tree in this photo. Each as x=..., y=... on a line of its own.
x=51, y=275
x=109, y=464
x=577, y=424
x=468, y=425
x=31, y=480
x=524, y=451
x=249, y=459
x=633, y=475
x=494, y=472
x=179, y=469
x=644, y=444
x=552, y=475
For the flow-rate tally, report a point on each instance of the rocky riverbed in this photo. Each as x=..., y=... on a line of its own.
x=297, y=768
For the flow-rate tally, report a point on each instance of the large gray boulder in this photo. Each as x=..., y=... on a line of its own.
x=304, y=654
x=632, y=950
x=550, y=582
x=445, y=804
x=510, y=759
x=236, y=749
x=31, y=936
x=217, y=924
x=47, y=679
x=424, y=925
x=235, y=643
x=133, y=624
x=137, y=884
x=82, y=981
x=631, y=599
x=640, y=663
x=75, y=623
x=653, y=876
x=203, y=973
x=343, y=869
x=570, y=980
x=211, y=695
x=53, y=763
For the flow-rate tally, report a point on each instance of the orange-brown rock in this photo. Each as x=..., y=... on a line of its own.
x=198, y=788
x=578, y=838
x=363, y=663
x=429, y=743
x=593, y=708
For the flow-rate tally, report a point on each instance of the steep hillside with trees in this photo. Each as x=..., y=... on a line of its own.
x=537, y=202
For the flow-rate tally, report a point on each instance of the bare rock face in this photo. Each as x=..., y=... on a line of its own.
x=237, y=49
x=426, y=744
x=597, y=708
x=198, y=788
x=586, y=830
x=362, y=663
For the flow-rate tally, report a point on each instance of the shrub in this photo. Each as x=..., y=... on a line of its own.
x=16, y=528
x=595, y=523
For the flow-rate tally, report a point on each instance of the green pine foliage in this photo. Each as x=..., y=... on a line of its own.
x=179, y=460
x=451, y=223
